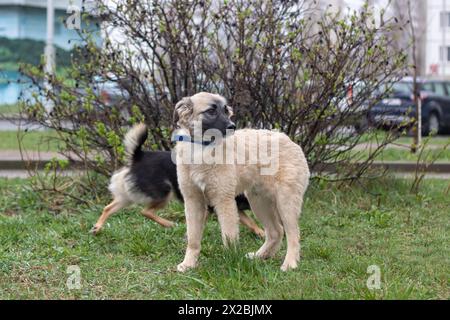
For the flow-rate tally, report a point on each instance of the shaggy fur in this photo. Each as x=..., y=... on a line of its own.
x=150, y=178
x=275, y=199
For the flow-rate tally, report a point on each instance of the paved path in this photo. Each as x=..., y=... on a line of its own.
x=11, y=174
x=396, y=146
x=12, y=166
x=12, y=159
x=14, y=155
x=14, y=124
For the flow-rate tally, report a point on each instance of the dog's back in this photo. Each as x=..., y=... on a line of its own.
x=155, y=174
x=279, y=161
x=148, y=176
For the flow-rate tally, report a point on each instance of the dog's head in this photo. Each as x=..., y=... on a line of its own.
x=205, y=111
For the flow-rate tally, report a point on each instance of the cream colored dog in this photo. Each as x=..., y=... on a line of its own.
x=266, y=166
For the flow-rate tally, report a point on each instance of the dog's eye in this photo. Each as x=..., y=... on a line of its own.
x=211, y=111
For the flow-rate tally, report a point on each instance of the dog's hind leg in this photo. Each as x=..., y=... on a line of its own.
x=289, y=210
x=266, y=212
x=107, y=211
x=150, y=212
x=251, y=224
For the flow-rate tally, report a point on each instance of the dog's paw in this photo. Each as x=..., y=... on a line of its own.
x=183, y=267
x=168, y=224
x=288, y=266
x=260, y=233
x=94, y=231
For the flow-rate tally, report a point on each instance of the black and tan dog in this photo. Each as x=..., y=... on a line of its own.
x=150, y=178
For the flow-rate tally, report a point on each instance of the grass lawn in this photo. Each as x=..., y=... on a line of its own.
x=437, y=140
x=8, y=109
x=433, y=149
x=406, y=155
x=32, y=140
x=344, y=231
x=380, y=135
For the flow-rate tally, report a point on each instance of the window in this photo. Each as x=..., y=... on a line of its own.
x=429, y=86
x=57, y=27
x=439, y=89
x=402, y=87
x=444, y=54
x=445, y=19
x=447, y=85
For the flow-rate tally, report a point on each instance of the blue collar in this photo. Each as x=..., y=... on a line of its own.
x=183, y=138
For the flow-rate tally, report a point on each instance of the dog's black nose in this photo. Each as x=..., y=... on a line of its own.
x=231, y=126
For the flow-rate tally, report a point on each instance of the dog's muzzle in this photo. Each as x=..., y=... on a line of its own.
x=231, y=126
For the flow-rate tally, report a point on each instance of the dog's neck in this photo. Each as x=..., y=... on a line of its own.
x=186, y=138
x=183, y=135
x=194, y=152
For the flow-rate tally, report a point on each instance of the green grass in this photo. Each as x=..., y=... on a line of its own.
x=32, y=140
x=9, y=109
x=391, y=154
x=405, y=155
x=344, y=231
x=380, y=135
x=9, y=66
x=437, y=148
x=436, y=141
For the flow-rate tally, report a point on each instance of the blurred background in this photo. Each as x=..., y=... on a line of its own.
x=65, y=39
x=23, y=33
x=23, y=37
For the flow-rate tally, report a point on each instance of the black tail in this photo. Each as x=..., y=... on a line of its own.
x=134, y=139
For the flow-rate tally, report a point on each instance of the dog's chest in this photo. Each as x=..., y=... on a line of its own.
x=200, y=178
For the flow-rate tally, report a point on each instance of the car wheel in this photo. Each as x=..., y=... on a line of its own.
x=433, y=124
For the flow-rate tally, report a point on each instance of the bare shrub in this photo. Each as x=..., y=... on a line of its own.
x=278, y=67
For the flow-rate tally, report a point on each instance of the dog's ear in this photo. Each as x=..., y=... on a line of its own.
x=183, y=111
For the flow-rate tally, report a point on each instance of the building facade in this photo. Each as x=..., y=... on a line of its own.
x=437, y=44
x=27, y=19
x=431, y=20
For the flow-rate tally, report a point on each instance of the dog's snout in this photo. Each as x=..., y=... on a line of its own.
x=231, y=126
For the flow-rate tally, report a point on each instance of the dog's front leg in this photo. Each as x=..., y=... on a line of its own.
x=195, y=210
x=228, y=216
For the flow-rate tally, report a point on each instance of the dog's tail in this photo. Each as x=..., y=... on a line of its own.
x=134, y=139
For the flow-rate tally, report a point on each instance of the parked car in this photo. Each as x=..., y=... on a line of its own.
x=353, y=114
x=398, y=110
x=359, y=120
